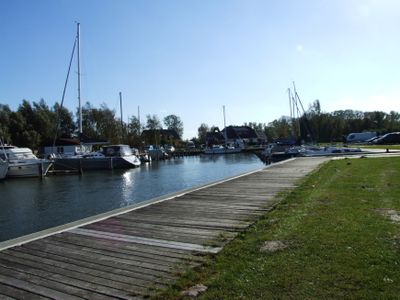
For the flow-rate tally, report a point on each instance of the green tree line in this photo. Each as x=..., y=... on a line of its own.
x=35, y=124
x=324, y=127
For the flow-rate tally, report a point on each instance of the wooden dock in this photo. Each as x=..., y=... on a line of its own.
x=128, y=255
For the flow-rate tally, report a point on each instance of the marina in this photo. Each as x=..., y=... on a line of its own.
x=129, y=252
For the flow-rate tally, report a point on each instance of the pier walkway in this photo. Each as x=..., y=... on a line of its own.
x=131, y=252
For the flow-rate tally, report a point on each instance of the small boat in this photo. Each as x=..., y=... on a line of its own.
x=326, y=151
x=227, y=148
x=219, y=149
x=110, y=157
x=23, y=163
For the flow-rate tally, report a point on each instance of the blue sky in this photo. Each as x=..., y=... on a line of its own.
x=190, y=58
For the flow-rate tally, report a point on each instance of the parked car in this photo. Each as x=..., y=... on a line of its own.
x=359, y=137
x=389, y=138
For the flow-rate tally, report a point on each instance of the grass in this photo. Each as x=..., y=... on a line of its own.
x=383, y=147
x=341, y=242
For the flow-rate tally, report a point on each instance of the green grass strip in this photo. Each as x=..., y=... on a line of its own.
x=341, y=232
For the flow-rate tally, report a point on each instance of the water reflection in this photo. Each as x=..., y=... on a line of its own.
x=30, y=205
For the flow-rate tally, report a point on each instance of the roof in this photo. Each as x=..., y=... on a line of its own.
x=70, y=141
x=164, y=132
x=240, y=132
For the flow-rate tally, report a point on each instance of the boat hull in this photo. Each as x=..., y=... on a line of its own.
x=222, y=150
x=28, y=169
x=87, y=164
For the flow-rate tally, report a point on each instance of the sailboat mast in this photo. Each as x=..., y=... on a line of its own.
x=120, y=106
x=79, y=77
x=225, y=135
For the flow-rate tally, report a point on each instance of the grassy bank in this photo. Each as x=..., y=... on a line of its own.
x=338, y=236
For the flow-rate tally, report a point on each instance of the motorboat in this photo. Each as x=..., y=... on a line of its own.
x=326, y=151
x=219, y=149
x=23, y=163
x=110, y=157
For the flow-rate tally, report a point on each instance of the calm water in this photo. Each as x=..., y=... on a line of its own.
x=30, y=205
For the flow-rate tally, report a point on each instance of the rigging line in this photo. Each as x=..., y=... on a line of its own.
x=64, y=90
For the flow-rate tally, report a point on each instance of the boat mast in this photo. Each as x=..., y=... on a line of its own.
x=79, y=78
x=120, y=105
x=225, y=133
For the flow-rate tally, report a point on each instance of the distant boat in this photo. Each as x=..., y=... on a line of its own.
x=110, y=157
x=219, y=149
x=326, y=151
x=23, y=163
x=222, y=149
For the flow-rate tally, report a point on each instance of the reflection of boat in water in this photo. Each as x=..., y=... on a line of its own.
x=23, y=163
x=111, y=157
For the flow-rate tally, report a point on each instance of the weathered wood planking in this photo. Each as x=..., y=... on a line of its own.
x=129, y=255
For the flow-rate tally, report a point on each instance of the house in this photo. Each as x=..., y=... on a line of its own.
x=69, y=146
x=160, y=136
x=243, y=134
x=214, y=137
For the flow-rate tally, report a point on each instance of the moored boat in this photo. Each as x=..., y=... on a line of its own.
x=23, y=163
x=219, y=149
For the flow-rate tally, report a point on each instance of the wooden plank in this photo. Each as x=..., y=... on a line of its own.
x=58, y=266
x=10, y=292
x=70, y=282
x=147, y=241
x=26, y=252
x=166, y=253
x=36, y=284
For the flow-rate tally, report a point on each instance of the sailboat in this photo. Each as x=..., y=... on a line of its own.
x=110, y=157
x=222, y=149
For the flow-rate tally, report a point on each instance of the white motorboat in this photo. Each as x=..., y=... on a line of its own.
x=326, y=151
x=23, y=163
x=219, y=149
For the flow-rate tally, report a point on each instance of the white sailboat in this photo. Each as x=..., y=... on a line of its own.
x=223, y=149
x=110, y=157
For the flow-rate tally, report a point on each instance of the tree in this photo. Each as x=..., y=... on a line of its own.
x=65, y=120
x=202, y=132
x=134, y=131
x=101, y=123
x=174, y=122
x=153, y=122
x=5, y=113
